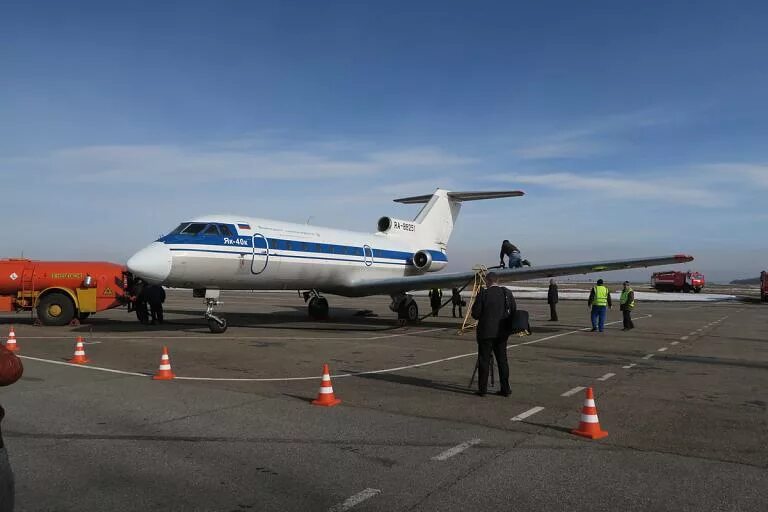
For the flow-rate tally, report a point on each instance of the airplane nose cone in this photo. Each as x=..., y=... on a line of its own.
x=152, y=263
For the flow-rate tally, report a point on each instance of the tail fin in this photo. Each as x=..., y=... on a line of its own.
x=438, y=216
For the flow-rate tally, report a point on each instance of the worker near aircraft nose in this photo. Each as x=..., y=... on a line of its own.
x=155, y=298
x=11, y=370
x=600, y=302
x=513, y=255
x=435, y=300
x=552, y=300
x=493, y=306
x=627, y=304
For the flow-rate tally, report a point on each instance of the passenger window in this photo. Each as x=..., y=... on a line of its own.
x=193, y=229
x=211, y=230
x=225, y=231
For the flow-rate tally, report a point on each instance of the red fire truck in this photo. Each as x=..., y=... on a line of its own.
x=677, y=281
x=62, y=292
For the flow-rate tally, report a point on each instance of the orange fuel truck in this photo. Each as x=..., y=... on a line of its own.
x=62, y=292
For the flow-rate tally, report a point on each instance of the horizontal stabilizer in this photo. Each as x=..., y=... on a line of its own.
x=463, y=196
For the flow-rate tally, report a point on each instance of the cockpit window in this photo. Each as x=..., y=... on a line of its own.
x=225, y=230
x=179, y=229
x=211, y=230
x=193, y=229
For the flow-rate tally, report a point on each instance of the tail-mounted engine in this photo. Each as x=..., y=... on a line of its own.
x=424, y=262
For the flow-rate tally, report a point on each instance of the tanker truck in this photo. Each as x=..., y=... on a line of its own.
x=62, y=292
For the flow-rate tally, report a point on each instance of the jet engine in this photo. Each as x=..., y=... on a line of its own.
x=424, y=262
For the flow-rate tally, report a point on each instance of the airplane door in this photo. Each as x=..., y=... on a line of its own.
x=367, y=255
x=260, y=254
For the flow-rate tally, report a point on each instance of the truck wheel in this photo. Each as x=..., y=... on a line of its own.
x=686, y=288
x=83, y=316
x=55, y=309
x=697, y=290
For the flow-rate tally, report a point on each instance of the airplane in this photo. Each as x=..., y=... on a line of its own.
x=225, y=252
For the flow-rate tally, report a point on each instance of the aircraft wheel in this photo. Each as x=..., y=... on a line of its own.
x=409, y=311
x=216, y=327
x=318, y=308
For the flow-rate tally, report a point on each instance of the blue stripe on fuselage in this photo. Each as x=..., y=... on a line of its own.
x=280, y=244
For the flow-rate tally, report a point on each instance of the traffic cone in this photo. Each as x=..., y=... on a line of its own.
x=79, y=357
x=325, y=396
x=11, y=343
x=589, y=426
x=164, y=371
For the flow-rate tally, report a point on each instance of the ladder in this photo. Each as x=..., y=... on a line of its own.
x=479, y=283
x=27, y=294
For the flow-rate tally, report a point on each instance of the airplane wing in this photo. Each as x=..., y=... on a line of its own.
x=458, y=279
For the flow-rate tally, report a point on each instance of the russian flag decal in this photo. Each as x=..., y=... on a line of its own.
x=244, y=226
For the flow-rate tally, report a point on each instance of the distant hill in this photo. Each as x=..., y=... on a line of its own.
x=752, y=280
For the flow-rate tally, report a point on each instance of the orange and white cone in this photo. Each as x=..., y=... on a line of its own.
x=79, y=357
x=589, y=426
x=164, y=371
x=11, y=343
x=325, y=396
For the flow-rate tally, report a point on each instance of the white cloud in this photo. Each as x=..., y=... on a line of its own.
x=594, y=137
x=611, y=186
x=745, y=173
x=240, y=160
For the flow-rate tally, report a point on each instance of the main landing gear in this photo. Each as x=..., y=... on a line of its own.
x=317, y=306
x=217, y=324
x=406, y=308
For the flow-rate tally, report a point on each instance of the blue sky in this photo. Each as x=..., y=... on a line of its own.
x=634, y=129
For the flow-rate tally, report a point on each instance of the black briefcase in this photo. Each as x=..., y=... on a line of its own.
x=519, y=322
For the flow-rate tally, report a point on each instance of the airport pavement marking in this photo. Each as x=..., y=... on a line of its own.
x=528, y=413
x=573, y=391
x=648, y=356
x=684, y=338
x=692, y=333
x=447, y=454
x=336, y=376
x=627, y=367
x=606, y=377
x=63, y=363
x=677, y=342
x=355, y=500
x=663, y=349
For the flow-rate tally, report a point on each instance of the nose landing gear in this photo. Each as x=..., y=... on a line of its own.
x=217, y=324
x=406, y=308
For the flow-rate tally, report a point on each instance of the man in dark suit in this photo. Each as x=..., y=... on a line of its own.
x=552, y=300
x=492, y=307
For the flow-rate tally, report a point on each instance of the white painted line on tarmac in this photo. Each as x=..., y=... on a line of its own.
x=648, y=356
x=526, y=414
x=92, y=342
x=573, y=391
x=341, y=375
x=629, y=366
x=663, y=349
x=447, y=454
x=606, y=377
x=357, y=499
x=684, y=338
x=63, y=363
x=675, y=343
x=692, y=333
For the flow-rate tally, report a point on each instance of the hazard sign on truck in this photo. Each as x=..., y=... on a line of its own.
x=61, y=292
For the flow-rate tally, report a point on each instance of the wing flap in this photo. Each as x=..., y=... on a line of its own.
x=455, y=279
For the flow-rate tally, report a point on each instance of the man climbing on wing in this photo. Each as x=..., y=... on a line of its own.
x=512, y=253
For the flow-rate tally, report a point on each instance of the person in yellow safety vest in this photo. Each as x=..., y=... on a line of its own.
x=599, y=301
x=627, y=304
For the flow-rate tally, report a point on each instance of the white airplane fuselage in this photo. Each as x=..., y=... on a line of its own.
x=242, y=253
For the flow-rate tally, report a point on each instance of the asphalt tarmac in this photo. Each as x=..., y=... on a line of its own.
x=683, y=397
